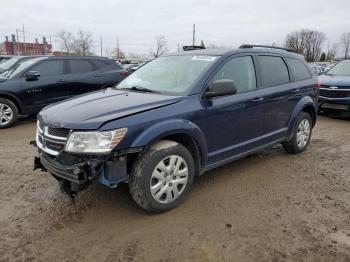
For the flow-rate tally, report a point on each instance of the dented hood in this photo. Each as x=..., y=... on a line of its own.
x=92, y=110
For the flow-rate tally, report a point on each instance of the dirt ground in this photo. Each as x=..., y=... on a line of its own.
x=269, y=206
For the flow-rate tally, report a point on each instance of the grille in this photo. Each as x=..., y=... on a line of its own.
x=59, y=132
x=54, y=146
x=335, y=93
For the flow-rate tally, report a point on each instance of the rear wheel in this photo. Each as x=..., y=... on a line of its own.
x=8, y=113
x=301, y=134
x=162, y=177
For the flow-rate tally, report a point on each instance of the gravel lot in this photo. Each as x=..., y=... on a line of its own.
x=269, y=206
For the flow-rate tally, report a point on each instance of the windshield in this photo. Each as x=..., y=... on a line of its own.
x=8, y=63
x=20, y=68
x=171, y=75
x=340, y=69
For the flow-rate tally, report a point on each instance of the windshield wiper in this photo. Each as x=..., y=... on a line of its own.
x=139, y=89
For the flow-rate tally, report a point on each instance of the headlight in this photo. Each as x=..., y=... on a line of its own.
x=94, y=142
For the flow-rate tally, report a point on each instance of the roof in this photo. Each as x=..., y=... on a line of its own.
x=222, y=52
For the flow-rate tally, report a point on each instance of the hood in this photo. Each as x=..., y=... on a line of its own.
x=91, y=111
x=340, y=81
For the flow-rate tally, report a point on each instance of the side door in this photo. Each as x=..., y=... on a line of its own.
x=280, y=94
x=83, y=77
x=235, y=123
x=48, y=88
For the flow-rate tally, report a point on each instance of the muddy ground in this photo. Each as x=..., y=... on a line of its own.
x=269, y=206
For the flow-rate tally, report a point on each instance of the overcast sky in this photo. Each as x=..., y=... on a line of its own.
x=137, y=22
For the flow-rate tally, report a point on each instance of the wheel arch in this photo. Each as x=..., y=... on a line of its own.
x=181, y=131
x=306, y=104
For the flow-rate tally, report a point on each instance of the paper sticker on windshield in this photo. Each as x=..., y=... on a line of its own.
x=204, y=58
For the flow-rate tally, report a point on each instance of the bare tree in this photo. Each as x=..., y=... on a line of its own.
x=331, y=51
x=345, y=43
x=83, y=43
x=161, y=47
x=306, y=42
x=65, y=40
x=118, y=53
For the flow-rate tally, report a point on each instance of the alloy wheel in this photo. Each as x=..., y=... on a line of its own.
x=303, y=133
x=6, y=114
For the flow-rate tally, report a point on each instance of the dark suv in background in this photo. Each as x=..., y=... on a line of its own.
x=38, y=82
x=177, y=117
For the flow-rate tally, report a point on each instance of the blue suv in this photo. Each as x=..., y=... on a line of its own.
x=177, y=117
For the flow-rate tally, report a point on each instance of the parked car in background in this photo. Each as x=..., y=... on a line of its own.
x=335, y=90
x=316, y=69
x=3, y=58
x=12, y=63
x=41, y=81
x=128, y=67
x=137, y=66
x=177, y=117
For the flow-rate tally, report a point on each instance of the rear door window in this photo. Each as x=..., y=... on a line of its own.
x=80, y=66
x=299, y=70
x=99, y=64
x=241, y=70
x=49, y=68
x=274, y=70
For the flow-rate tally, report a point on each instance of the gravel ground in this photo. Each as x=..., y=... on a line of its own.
x=269, y=206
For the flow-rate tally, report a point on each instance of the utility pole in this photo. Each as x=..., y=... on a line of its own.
x=118, y=53
x=194, y=34
x=24, y=40
x=178, y=47
x=101, y=44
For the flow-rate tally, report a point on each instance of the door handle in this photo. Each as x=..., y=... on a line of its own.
x=98, y=75
x=258, y=99
x=61, y=81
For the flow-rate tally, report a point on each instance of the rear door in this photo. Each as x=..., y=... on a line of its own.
x=280, y=94
x=235, y=123
x=49, y=88
x=83, y=77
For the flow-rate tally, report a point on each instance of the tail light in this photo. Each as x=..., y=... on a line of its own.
x=318, y=84
x=124, y=73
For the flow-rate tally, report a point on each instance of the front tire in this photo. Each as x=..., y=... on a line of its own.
x=301, y=135
x=8, y=113
x=162, y=177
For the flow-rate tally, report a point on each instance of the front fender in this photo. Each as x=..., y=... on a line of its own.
x=172, y=127
x=306, y=101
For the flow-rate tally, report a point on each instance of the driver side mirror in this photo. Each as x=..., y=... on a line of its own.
x=32, y=75
x=222, y=87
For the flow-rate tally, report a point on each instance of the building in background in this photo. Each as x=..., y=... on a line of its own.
x=19, y=48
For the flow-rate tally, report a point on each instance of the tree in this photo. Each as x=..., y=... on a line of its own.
x=345, y=43
x=161, y=47
x=65, y=40
x=331, y=52
x=83, y=43
x=306, y=42
x=118, y=53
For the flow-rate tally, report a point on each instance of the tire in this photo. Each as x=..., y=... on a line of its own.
x=302, y=132
x=153, y=169
x=8, y=113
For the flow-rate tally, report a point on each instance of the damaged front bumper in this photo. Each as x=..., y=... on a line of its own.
x=76, y=172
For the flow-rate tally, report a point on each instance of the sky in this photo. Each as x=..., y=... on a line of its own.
x=137, y=23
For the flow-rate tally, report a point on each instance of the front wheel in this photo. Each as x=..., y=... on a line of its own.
x=301, y=134
x=162, y=177
x=8, y=113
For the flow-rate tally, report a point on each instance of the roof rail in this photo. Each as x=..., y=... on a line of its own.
x=265, y=46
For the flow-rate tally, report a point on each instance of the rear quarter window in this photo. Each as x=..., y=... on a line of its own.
x=99, y=64
x=299, y=69
x=274, y=70
x=80, y=66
